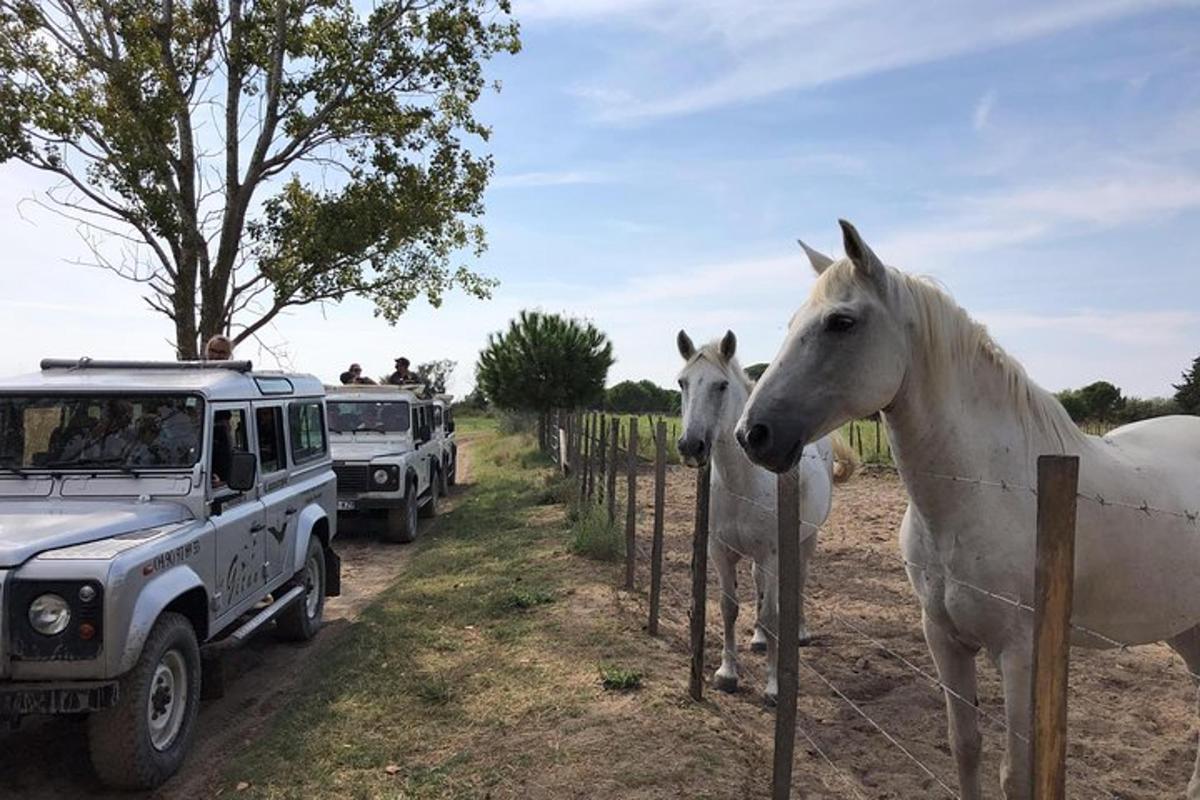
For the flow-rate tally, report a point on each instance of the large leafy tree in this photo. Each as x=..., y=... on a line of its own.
x=436, y=374
x=638, y=397
x=255, y=155
x=1187, y=394
x=544, y=362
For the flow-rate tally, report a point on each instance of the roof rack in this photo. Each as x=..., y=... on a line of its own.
x=93, y=363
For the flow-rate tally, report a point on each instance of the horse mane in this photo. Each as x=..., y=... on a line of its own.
x=950, y=336
x=711, y=352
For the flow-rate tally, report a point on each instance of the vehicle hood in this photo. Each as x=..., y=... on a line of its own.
x=27, y=529
x=367, y=450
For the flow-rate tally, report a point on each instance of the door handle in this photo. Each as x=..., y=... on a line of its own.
x=258, y=526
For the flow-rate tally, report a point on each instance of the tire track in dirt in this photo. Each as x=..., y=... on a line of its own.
x=47, y=758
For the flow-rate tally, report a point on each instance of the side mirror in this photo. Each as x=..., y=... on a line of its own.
x=243, y=471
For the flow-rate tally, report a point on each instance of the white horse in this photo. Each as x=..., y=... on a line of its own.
x=742, y=520
x=872, y=338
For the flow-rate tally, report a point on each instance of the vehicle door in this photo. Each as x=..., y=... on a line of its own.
x=238, y=517
x=422, y=440
x=439, y=434
x=274, y=489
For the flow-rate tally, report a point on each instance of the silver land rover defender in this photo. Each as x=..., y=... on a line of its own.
x=150, y=512
x=386, y=457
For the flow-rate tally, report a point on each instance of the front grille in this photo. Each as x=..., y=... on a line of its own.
x=352, y=478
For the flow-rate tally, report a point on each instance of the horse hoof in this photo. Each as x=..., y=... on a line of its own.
x=758, y=647
x=725, y=684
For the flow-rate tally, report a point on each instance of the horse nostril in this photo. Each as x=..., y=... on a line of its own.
x=758, y=436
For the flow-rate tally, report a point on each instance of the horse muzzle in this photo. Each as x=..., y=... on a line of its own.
x=771, y=446
x=693, y=452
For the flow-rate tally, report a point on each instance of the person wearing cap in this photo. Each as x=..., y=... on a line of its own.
x=354, y=375
x=402, y=375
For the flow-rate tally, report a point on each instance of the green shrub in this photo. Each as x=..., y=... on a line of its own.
x=593, y=536
x=620, y=679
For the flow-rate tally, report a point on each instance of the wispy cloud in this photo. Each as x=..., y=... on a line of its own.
x=526, y=180
x=983, y=110
x=758, y=48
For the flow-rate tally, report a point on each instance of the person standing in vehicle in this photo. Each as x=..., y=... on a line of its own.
x=402, y=375
x=219, y=348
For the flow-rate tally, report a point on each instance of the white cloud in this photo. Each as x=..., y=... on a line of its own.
x=757, y=48
x=525, y=180
x=983, y=110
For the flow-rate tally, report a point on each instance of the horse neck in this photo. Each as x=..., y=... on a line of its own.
x=968, y=425
x=729, y=460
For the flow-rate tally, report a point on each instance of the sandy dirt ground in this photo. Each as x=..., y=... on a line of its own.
x=1132, y=719
x=47, y=758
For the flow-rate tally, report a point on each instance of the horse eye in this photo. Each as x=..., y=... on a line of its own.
x=722, y=386
x=683, y=384
x=839, y=323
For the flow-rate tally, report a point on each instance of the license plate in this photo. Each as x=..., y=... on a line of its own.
x=346, y=505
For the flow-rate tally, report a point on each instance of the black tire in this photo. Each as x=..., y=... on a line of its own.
x=126, y=751
x=444, y=484
x=402, y=522
x=452, y=473
x=433, y=505
x=302, y=621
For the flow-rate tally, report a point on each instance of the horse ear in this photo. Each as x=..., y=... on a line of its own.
x=684, y=343
x=865, y=260
x=820, y=262
x=728, y=345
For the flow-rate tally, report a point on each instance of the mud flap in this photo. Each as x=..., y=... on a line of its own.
x=333, y=573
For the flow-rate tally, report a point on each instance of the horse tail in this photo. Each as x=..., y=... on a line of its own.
x=845, y=461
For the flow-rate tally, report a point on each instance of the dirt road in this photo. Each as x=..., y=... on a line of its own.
x=47, y=758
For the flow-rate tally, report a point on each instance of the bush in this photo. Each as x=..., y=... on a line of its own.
x=593, y=536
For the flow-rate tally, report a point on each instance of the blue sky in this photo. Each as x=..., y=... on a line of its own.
x=657, y=160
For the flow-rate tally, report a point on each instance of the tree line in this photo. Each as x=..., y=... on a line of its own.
x=1103, y=402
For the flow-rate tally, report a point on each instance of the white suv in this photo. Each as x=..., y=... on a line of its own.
x=150, y=512
x=385, y=455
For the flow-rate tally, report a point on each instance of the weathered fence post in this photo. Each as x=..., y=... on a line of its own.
x=589, y=455
x=878, y=440
x=631, y=504
x=1058, y=486
x=656, y=546
x=602, y=454
x=699, y=582
x=787, y=502
x=614, y=449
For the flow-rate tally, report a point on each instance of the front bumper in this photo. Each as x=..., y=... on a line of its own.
x=369, y=503
x=19, y=699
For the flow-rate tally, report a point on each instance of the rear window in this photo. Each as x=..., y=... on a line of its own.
x=306, y=424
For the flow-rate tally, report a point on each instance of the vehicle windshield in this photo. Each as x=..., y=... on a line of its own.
x=362, y=416
x=120, y=432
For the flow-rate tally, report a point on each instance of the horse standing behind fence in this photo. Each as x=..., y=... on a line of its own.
x=743, y=516
x=967, y=426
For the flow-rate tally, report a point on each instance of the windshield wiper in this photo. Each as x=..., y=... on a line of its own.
x=117, y=463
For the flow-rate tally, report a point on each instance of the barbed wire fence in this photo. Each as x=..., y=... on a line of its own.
x=590, y=448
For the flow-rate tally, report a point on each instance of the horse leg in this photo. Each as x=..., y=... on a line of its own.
x=956, y=670
x=726, y=678
x=770, y=626
x=759, y=643
x=1187, y=644
x=807, y=548
x=1016, y=671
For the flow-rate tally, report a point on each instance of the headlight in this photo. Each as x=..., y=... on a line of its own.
x=381, y=476
x=49, y=614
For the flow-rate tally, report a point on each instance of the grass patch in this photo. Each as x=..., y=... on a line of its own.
x=593, y=536
x=620, y=679
x=522, y=599
x=434, y=690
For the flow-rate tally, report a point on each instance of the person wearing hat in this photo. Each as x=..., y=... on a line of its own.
x=402, y=375
x=354, y=375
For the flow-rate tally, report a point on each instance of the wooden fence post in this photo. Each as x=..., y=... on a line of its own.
x=589, y=456
x=787, y=499
x=699, y=581
x=602, y=454
x=631, y=504
x=1058, y=486
x=656, y=547
x=860, y=447
x=614, y=449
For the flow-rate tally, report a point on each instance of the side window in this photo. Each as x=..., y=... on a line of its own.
x=229, y=436
x=306, y=424
x=270, y=439
x=437, y=417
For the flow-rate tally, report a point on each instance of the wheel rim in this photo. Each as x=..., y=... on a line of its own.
x=168, y=699
x=312, y=586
